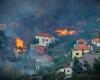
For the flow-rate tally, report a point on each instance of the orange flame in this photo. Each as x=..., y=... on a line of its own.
x=20, y=45
x=64, y=32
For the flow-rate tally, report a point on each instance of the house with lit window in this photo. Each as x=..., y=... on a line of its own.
x=80, y=50
x=96, y=42
x=44, y=38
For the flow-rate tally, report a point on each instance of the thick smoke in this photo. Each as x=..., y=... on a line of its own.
x=33, y=15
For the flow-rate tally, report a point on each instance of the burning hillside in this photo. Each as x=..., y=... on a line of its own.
x=65, y=32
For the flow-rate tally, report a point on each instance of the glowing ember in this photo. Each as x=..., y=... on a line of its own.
x=64, y=32
x=20, y=45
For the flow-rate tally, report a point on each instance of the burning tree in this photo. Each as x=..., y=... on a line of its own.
x=20, y=45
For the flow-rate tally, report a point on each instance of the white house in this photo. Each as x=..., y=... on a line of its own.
x=68, y=71
x=45, y=38
x=96, y=42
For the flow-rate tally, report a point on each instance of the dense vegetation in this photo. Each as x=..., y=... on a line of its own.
x=89, y=73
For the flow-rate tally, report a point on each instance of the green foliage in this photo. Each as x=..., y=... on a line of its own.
x=97, y=33
x=50, y=52
x=61, y=76
x=97, y=50
x=60, y=61
x=51, y=45
x=47, y=73
x=3, y=38
x=77, y=66
x=51, y=74
x=96, y=66
x=88, y=68
x=86, y=77
x=35, y=41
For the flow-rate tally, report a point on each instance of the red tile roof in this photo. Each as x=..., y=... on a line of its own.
x=96, y=40
x=82, y=47
x=44, y=34
x=81, y=40
x=50, y=58
x=40, y=49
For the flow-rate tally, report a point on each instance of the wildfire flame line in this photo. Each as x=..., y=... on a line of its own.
x=64, y=32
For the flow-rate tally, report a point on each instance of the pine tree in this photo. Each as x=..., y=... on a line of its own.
x=96, y=66
x=88, y=69
x=77, y=66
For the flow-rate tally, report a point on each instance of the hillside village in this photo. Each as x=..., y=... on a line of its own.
x=49, y=39
x=45, y=43
x=62, y=54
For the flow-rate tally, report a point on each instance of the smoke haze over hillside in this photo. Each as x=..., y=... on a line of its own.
x=23, y=18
